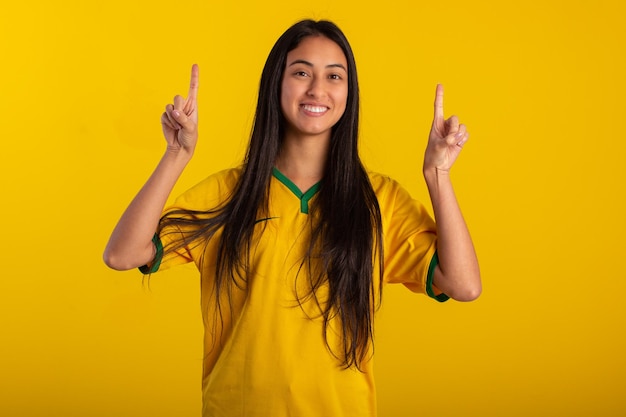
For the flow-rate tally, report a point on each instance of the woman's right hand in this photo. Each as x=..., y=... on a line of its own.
x=131, y=244
x=180, y=119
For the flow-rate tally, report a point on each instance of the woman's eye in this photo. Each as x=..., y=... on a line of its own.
x=301, y=73
x=335, y=77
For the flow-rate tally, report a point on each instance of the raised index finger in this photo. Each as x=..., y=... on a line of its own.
x=193, y=84
x=439, y=102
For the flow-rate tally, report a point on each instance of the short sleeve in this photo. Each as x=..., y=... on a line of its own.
x=409, y=239
x=207, y=195
x=167, y=260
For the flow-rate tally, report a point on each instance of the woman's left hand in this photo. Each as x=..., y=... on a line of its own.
x=446, y=139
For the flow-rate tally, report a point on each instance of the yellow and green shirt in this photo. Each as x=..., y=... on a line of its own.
x=265, y=354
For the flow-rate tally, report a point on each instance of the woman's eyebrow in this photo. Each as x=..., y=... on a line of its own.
x=307, y=63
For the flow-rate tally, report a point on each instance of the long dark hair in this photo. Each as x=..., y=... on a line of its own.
x=346, y=230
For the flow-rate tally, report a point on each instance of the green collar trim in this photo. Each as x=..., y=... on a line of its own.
x=304, y=197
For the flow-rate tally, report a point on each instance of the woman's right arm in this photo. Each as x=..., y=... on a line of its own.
x=130, y=244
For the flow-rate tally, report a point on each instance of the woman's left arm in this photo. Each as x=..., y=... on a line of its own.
x=457, y=274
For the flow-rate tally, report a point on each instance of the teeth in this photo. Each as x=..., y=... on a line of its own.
x=314, y=109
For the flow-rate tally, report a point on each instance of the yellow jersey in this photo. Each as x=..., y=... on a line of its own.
x=265, y=354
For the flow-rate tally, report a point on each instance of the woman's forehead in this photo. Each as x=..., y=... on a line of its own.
x=319, y=51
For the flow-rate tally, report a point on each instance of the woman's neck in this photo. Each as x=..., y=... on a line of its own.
x=302, y=160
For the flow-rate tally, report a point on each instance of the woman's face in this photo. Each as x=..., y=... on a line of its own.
x=314, y=87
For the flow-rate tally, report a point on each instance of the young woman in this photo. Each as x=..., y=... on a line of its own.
x=294, y=246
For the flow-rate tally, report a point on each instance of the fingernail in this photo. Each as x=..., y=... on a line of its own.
x=176, y=113
x=459, y=135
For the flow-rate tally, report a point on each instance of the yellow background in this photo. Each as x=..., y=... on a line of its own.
x=541, y=85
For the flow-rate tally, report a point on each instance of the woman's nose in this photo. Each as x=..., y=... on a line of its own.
x=315, y=88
